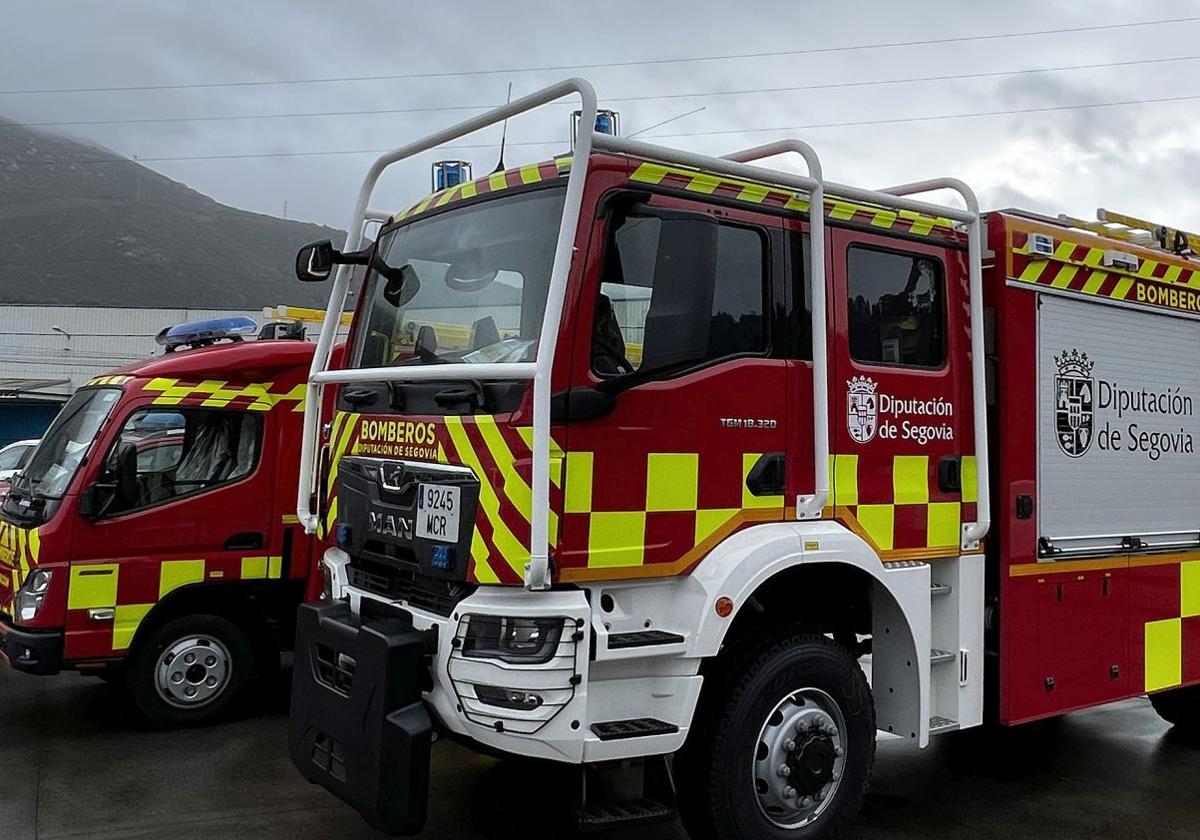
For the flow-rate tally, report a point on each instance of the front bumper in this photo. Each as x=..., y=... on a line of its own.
x=357, y=724
x=32, y=651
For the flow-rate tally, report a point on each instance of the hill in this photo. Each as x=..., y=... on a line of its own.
x=86, y=227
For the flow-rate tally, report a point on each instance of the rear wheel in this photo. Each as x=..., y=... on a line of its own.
x=190, y=670
x=1180, y=707
x=785, y=751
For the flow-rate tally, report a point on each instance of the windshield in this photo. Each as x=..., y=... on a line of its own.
x=473, y=286
x=65, y=443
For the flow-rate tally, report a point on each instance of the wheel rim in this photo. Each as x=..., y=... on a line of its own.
x=193, y=672
x=799, y=758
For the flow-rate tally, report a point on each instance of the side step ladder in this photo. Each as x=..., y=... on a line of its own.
x=600, y=812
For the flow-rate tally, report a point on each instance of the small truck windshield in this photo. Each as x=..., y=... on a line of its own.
x=65, y=443
x=474, y=284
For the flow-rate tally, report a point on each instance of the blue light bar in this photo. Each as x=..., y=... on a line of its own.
x=450, y=173
x=195, y=333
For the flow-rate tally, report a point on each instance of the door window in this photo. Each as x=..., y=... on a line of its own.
x=186, y=451
x=679, y=291
x=897, y=311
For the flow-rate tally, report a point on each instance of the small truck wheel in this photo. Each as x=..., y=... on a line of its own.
x=190, y=670
x=786, y=751
x=1180, y=707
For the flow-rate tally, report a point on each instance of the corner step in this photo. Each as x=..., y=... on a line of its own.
x=623, y=813
x=936, y=657
x=643, y=638
x=939, y=589
x=937, y=724
x=616, y=730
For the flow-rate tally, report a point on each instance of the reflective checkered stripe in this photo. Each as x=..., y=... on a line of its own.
x=1169, y=641
x=687, y=504
x=131, y=590
x=19, y=549
x=107, y=380
x=838, y=209
x=1159, y=282
x=214, y=393
x=899, y=509
x=533, y=173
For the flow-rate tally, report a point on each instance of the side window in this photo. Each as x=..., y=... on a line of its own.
x=186, y=451
x=896, y=307
x=679, y=290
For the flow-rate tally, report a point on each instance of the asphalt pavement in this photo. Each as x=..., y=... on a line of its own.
x=75, y=763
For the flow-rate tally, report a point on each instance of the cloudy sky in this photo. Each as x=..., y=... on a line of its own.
x=865, y=105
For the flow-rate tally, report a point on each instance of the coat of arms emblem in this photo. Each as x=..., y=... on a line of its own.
x=862, y=409
x=1074, y=392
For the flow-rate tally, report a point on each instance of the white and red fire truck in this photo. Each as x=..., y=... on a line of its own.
x=613, y=480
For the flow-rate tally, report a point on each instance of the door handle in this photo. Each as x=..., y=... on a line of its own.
x=245, y=541
x=950, y=474
x=768, y=475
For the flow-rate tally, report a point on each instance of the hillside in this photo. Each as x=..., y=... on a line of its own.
x=113, y=233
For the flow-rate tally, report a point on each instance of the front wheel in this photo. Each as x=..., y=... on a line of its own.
x=190, y=670
x=786, y=750
x=1180, y=707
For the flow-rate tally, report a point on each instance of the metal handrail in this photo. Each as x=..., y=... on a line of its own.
x=537, y=571
x=972, y=532
x=810, y=506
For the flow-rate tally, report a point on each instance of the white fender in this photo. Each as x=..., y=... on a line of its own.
x=902, y=633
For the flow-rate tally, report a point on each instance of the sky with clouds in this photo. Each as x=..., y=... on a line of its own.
x=1136, y=158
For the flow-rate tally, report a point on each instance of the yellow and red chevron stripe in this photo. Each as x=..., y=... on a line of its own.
x=838, y=209
x=19, y=549
x=693, y=180
x=215, y=393
x=1160, y=281
x=519, y=176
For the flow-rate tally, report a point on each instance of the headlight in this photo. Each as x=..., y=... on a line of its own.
x=529, y=641
x=32, y=594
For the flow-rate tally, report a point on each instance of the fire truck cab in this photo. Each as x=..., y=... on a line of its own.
x=612, y=478
x=150, y=537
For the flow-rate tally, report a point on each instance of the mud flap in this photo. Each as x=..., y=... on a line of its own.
x=357, y=724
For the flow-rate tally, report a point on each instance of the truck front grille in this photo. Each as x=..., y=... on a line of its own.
x=406, y=583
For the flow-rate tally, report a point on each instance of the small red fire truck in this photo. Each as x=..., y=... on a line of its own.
x=636, y=456
x=151, y=536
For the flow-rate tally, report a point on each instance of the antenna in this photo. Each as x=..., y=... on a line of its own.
x=503, y=133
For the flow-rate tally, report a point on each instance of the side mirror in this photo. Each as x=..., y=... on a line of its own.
x=118, y=486
x=314, y=262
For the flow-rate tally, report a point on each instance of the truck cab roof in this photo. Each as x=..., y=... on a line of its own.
x=248, y=360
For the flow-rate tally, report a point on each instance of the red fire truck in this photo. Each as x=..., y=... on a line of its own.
x=615, y=480
x=150, y=536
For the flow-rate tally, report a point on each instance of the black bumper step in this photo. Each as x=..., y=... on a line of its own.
x=603, y=816
x=616, y=730
x=643, y=638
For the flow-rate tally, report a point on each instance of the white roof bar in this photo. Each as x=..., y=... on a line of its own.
x=808, y=507
x=972, y=532
x=537, y=572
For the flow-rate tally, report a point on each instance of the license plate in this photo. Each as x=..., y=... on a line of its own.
x=437, y=512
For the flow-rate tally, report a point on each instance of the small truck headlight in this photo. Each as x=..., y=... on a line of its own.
x=32, y=594
x=527, y=641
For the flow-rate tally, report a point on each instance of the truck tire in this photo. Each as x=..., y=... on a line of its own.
x=189, y=671
x=783, y=746
x=1180, y=707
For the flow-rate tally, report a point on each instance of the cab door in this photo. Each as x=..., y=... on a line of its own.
x=675, y=431
x=201, y=513
x=900, y=393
